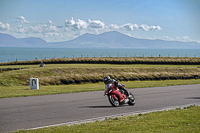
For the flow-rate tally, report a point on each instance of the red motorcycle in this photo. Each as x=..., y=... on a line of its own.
x=117, y=97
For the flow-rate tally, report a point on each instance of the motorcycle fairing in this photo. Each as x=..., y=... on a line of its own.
x=115, y=90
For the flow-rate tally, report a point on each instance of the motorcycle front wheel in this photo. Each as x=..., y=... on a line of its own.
x=131, y=100
x=114, y=101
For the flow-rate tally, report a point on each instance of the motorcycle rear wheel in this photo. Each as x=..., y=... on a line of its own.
x=113, y=101
x=131, y=100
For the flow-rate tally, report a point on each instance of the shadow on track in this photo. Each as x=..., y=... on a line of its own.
x=101, y=106
x=96, y=107
x=192, y=98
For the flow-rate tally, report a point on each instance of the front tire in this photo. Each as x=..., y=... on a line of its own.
x=113, y=101
x=131, y=100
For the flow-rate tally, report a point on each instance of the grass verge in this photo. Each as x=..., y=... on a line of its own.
x=22, y=91
x=58, y=74
x=114, y=60
x=177, y=120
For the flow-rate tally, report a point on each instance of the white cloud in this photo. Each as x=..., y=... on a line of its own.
x=21, y=29
x=35, y=29
x=50, y=22
x=23, y=20
x=5, y=26
x=146, y=27
x=96, y=24
x=156, y=28
x=52, y=36
x=167, y=38
x=113, y=26
x=80, y=24
x=70, y=22
x=181, y=39
x=52, y=28
x=185, y=39
x=130, y=27
x=43, y=28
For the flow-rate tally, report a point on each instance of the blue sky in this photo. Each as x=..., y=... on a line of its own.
x=62, y=20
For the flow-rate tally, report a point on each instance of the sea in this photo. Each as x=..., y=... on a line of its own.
x=10, y=54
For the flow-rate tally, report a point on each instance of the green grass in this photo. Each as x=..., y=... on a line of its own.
x=57, y=74
x=53, y=77
x=177, y=120
x=22, y=91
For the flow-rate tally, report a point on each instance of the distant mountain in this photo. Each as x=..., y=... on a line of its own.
x=115, y=39
x=111, y=39
x=33, y=40
x=10, y=41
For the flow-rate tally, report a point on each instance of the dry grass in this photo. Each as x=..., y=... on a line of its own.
x=115, y=60
x=70, y=73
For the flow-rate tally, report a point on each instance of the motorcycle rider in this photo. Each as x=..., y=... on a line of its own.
x=107, y=81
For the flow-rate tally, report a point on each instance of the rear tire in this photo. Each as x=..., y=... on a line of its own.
x=131, y=100
x=113, y=101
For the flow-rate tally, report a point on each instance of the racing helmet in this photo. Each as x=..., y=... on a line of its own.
x=106, y=79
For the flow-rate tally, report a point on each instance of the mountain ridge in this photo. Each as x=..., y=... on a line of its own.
x=7, y=40
x=112, y=39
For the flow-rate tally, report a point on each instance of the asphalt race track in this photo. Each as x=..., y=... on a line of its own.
x=37, y=111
